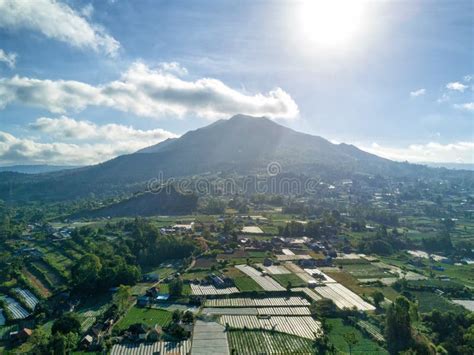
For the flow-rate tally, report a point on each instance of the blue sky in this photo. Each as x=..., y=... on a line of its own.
x=83, y=81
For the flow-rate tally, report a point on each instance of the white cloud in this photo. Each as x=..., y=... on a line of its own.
x=8, y=58
x=58, y=21
x=418, y=92
x=71, y=129
x=78, y=142
x=459, y=152
x=148, y=92
x=173, y=67
x=468, y=78
x=468, y=106
x=456, y=86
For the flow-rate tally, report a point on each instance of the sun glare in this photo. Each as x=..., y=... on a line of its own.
x=331, y=22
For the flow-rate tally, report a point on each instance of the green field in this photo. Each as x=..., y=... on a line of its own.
x=429, y=301
x=283, y=280
x=246, y=283
x=266, y=342
x=364, y=345
x=365, y=271
x=147, y=316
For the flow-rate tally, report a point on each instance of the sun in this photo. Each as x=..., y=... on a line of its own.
x=331, y=22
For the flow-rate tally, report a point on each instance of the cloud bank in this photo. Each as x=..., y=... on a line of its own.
x=58, y=21
x=148, y=92
x=459, y=152
x=77, y=142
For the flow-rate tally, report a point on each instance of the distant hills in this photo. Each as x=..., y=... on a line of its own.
x=35, y=169
x=241, y=145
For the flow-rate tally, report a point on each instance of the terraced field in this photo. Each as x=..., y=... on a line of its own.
x=253, y=342
x=29, y=299
x=266, y=282
x=16, y=309
x=199, y=290
x=258, y=302
x=160, y=347
x=343, y=297
x=305, y=326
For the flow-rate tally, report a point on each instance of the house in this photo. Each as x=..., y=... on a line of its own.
x=86, y=342
x=154, y=334
x=143, y=301
x=216, y=280
x=21, y=336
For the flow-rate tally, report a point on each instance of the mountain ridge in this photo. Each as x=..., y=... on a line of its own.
x=241, y=145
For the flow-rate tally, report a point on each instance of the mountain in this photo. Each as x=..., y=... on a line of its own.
x=241, y=145
x=35, y=169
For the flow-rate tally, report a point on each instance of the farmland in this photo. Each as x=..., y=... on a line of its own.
x=266, y=282
x=254, y=342
x=303, y=326
x=363, y=346
x=148, y=316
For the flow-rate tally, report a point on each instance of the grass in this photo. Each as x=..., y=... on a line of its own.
x=364, y=345
x=246, y=283
x=283, y=280
x=147, y=316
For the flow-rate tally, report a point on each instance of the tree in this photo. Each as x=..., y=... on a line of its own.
x=323, y=308
x=68, y=323
x=378, y=298
x=85, y=272
x=188, y=317
x=289, y=286
x=176, y=287
x=176, y=316
x=397, y=326
x=351, y=339
x=39, y=341
x=122, y=298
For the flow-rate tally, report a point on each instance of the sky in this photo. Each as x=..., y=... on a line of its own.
x=82, y=81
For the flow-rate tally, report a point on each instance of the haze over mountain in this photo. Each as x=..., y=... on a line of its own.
x=241, y=145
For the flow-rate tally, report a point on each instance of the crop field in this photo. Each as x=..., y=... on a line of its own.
x=49, y=274
x=324, y=277
x=35, y=282
x=16, y=309
x=343, y=297
x=275, y=269
x=266, y=282
x=258, y=302
x=147, y=316
x=363, y=346
x=199, y=290
x=294, y=280
x=372, y=330
x=365, y=271
x=273, y=311
x=160, y=347
x=30, y=299
x=246, y=283
x=305, y=326
x=429, y=301
x=254, y=342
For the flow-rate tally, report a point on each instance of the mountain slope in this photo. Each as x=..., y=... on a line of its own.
x=242, y=145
